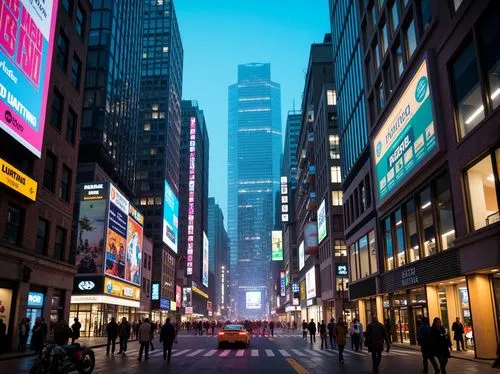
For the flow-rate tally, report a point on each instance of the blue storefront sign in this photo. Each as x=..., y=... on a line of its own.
x=35, y=299
x=164, y=304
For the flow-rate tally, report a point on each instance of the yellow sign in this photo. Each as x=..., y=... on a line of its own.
x=199, y=292
x=173, y=306
x=121, y=289
x=17, y=180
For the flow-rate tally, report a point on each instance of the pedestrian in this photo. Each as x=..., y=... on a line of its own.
x=62, y=332
x=388, y=328
x=36, y=336
x=323, y=334
x=124, y=335
x=458, y=334
x=330, y=327
x=424, y=340
x=312, y=331
x=167, y=337
x=212, y=326
x=144, y=336
x=44, y=329
x=304, y=329
x=361, y=335
x=153, y=328
x=376, y=334
x=75, y=328
x=271, y=327
x=112, y=332
x=23, y=332
x=3, y=333
x=440, y=344
x=355, y=336
x=340, y=333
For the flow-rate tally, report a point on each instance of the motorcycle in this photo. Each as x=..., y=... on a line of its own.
x=63, y=359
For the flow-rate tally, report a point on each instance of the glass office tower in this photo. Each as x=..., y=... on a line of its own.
x=255, y=141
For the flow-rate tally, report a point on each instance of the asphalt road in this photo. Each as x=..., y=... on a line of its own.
x=282, y=354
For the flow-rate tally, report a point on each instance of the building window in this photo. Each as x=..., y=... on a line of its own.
x=80, y=22
x=49, y=174
x=445, y=212
x=60, y=243
x=467, y=92
x=410, y=39
x=334, y=147
x=428, y=227
x=389, y=250
x=399, y=59
x=340, y=248
x=56, y=110
x=42, y=236
x=373, y=252
x=14, y=224
x=65, y=188
x=384, y=37
x=412, y=232
x=394, y=16
x=364, y=261
x=147, y=127
x=380, y=94
x=482, y=193
x=335, y=174
x=337, y=198
x=67, y=5
x=400, y=239
x=353, y=265
x=62, y=50
x=76, y=71
x=456, y=4
x=376, y=58
x=71, y=127
x=331, y=97
x=425, y=13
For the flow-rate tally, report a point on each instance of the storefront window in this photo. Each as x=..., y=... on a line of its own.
x=443, y=307
x=57, y=306
x=363, y=257
x=463, y=302
x=352, y=259
x=445, y=212
x=412, y=232
x=400, y=240
x=482, y=193
x=427, y=223
x=389, y=251
x=373, y=252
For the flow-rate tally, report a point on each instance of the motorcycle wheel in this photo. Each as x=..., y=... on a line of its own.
x=40, y=368
x=87, y=364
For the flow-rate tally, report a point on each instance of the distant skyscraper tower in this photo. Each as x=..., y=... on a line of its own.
x=254, y=152
x=292, y=132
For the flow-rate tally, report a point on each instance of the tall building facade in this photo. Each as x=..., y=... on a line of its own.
x=112, y=89
x=289, y=161
x=38, y=166
x=431, y=76
x=159, y=134
x=194, y=247
x=254, y=142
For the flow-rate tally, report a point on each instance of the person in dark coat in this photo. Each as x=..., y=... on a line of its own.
x=62, y=332
x=112, y=330
x=424, y=340
x=3, y=333
x=271, y=327
x=304, y=329
x=312, y=331
x=124, y=335
x=323, y=334
x=37, y=336
x=75, y=328
x=458, y=333
x=331, y=327
x=167, y=337
x=440, y=344
x=376, y=334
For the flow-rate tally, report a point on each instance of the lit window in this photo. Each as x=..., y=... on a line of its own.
x=152, y=151
x=154, y=107
x=457, y=3
x=331, y=97
x=154, y=115
x=445, y=212
x=144, y=55
x=410, y=39
x=335, y=174
x=165, y=49
x=337, y=198
x=394, y=15
x=428, y=226
x=389, y=251
x=143, y=201
x=334, y=147
x=147, y=127
x=489, y=36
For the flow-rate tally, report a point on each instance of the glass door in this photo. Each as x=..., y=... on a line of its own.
x=403, y=322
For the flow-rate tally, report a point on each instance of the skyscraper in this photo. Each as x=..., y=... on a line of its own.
x=112, y=83
x=289, y=162
x=255, y=137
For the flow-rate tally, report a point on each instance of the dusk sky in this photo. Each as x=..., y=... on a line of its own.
x=218, y=35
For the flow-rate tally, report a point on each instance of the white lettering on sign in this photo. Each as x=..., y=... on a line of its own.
x=409, y=277
x=93, y=187
x=129, y=292
x=86, y=285
x=34, y=299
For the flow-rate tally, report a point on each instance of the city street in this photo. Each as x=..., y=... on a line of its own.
x=285, y=353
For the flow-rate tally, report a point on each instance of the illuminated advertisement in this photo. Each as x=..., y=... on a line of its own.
x=116, y=238
x=301, y=256
x=170, y=218
x=310, y=238
x=253, y=300
x=303, y=290
x=121, y=289
x=295, y=288
x=5, y=306
x=284, y=200
x=277, y=246
x=406, y=138
x=134, y=246
x=209, y=308
x=191, y=198
x=178, y=296
x=205, y=260
x=155, y=291
x=341, y=270
x=287, y=278
x=17, y=180
x=27, y=29
x=311, y=283
x=91, y=228
x=282, y=283
x=187, y=297
x=321, y=222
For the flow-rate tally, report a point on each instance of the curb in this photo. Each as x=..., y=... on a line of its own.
x=485, y=361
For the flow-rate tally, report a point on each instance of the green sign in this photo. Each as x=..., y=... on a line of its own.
x=407, y=137
x=277, y=246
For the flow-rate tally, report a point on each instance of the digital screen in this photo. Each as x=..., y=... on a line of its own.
x=311, y=283
x=26, y=45
x=277, y=246
x=341, y=270
x=187, y=297
x=134, y=246
x=205, y=260
x=170, y=218
x=282, y=283
x=253, y=300
x=310, y=238
x=155, y=291
x=301, y=256
x=321, y=222
x=406, y=138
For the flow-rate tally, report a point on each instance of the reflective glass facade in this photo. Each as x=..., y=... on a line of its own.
x=292, y=133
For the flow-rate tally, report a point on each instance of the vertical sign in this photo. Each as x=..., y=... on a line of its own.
x=26, y=44
x=170, y=218
x=302, y=259
x=134, y=246
x=284, y=199
x=277, y=246
x=191, y=199
x=282, y=283
x=205, y=260
x=321, y=222
x=178, y=296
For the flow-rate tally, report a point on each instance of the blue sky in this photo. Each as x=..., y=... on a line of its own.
x=218, y=35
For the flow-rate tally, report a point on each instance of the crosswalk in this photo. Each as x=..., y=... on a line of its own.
x=302, y=353
x=252, y=336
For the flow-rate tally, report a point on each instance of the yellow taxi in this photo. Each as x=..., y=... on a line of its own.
x=234, y=334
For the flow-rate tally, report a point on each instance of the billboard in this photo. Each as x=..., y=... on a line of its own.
x=155, y=291
x=303, y=290
x=134, y=246
x=116, y=235
x=178, y=296
x=118, y=288
x=311, y=283
x=191, y=196
x=170, y=218
x=91, y=228
x=282, y=283
x=407, y=138
x=301, y=256
x=26, y=45
x=277, y=246
x=205, y=260
x=253, y=300
x=321, y=221
x=187, y=297
x=310, y=238
x=17, y=180
x=287, y=278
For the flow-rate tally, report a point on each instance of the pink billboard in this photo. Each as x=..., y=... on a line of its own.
x=27, y=30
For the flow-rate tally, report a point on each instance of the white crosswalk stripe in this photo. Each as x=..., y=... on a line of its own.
x=255, y=353
x=408, y=351
x=210, y=353
x=195, y=353
x=180, y=352
x=355, y=353
x=284, y=353
x=225, y=353
x=312, y=352
x=240, y=353
x=298, y=353
x=269, y=353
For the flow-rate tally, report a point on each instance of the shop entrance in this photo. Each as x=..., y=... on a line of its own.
x=401, y=325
